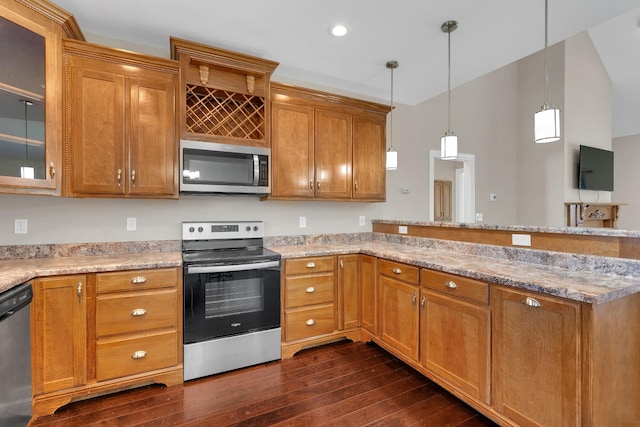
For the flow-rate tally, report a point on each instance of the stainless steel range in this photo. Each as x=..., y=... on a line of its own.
x=231, y=297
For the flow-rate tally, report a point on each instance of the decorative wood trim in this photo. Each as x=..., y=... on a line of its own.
x=56, y=14
x=609, y=246
x=279, y=91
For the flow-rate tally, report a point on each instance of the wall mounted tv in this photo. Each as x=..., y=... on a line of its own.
x=595, y=169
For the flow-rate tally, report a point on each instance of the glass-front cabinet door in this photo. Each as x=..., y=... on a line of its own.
x=31, y=90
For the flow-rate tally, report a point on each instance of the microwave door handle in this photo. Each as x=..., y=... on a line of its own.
x=230, y=268
x=256, y=170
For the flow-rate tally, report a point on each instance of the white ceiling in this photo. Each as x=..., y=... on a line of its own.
x=490, y=34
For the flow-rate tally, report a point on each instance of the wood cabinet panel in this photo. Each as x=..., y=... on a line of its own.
x=536, y=358
x=136, y=280
x=309, y=289
x=455, y=340
x=310, y=265
x=399, y=316
x=135, y=354
x=369, y=157
x=369, y=293
x=442, y=200
x=458, y=286
x=396, y=270
x=348, y=291
x=333, y=154
x=310, y=322
x=135, y=312
x=59, y=333
x=292, y=152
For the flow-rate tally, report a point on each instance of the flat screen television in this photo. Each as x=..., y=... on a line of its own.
x=595, y=169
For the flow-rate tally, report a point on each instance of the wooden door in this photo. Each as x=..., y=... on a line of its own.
x=348, y=291
x=97, y=129
x=59, y=334
x=399, y=320
x=152, y=135
x=369, y=157
x=369, y=293
x=333, y=154
x=442, y=200
x=455, y=342
x=292, y=156
x=536, y=358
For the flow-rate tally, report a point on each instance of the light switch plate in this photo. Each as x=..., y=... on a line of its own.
x=362, y=220
x=521, y=239
x=402, y=229
x=302, y=222
x=131, y=224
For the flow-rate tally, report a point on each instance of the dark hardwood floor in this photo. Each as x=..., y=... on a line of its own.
x=341, y=384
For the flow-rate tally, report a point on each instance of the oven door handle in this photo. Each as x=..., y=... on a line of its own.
x=232, y=267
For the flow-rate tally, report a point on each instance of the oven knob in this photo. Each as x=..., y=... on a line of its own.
x=248, y=228
x=255, y=228
x=200, y=229
x=191, y=229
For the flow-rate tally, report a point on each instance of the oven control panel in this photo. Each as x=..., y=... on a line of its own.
x=212, y=230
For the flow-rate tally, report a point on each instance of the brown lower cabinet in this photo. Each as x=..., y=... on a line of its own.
x=104, y=332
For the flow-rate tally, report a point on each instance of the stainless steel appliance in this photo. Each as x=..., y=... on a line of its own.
x=15, y=360
x=231, y=297
x=209, y=167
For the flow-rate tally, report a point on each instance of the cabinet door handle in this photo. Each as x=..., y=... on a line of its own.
x=415, y=297
x=450, y=284
x=422, y=302
x=356, y=186
x=531, y=302
x=119, y=176
x=342, y=264
x=311, y=265
x=139, y=354
x=138, y=312
x=311, y=290
x=138, y=280
x=318, y=185
x=397, y=270
x=311, y=322
x=133, y=177
x=310, y=185
x=52, y=171
x=79, y=289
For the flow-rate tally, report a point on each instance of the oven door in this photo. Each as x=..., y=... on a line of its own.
x=229, y=300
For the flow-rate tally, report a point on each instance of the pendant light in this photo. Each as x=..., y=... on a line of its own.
x=449, y=141
x=392, y=155
x=26, y=171
x=547, y=120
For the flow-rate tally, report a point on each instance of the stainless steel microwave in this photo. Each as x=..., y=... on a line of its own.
x=208, y=167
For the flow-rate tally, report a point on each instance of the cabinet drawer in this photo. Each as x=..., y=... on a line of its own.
x=135, y=354
x=307, y=290
x=310, y=265
x=397, y=270
x=451, y=284
x=135, y=312
x=136, y=280
x=309, y=323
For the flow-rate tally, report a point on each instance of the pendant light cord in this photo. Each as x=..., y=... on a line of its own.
x=546, y=53
x=449, y=84
x=391, y=118
x=26, y=135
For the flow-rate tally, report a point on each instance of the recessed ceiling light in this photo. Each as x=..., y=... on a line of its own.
x=339, y=30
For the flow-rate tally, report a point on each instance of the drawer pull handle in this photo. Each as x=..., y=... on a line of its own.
x=138, y=312
x=450, y=284
x=311, y=290
x=311, y=322
x=397, y=270
x=311, y=265
x=531, y=302
x=139, y=354
x=138, y=280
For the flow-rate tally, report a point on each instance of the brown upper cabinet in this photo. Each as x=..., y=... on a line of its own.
x=224, y=95
x=326, y=147
x=31, y=33
x=121, y=138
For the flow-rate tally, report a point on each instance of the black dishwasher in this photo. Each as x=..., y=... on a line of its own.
x=15, y=356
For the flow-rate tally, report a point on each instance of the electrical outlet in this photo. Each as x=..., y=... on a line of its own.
x=302, y=222
x=131, y=224
x=493, y=197
x=521, y=239
x=20, y=226
x=402, y=229
x=479, y=216
x=362, y=220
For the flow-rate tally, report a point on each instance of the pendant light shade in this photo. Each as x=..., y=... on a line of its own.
x=392, y=155
x=546, y=122
x=449, y=141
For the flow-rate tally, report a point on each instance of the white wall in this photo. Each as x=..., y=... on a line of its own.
x=626, y=152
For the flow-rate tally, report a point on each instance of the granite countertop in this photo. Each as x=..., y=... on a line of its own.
x=585, y=286
x=16, y=271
